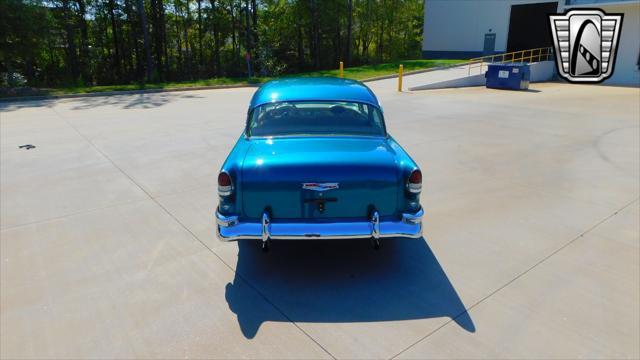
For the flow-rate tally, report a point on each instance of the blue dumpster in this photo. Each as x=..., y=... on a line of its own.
x=508, y=76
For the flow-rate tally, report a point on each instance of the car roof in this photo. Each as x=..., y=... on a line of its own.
x=313, y=88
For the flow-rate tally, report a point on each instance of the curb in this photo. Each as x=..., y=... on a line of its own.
x=193, y=88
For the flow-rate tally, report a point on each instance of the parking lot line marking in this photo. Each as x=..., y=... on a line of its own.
x=581, y=235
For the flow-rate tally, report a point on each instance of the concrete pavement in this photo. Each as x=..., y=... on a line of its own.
x=531, y=244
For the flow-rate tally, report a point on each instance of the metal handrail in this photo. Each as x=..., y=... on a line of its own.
x=538, y=54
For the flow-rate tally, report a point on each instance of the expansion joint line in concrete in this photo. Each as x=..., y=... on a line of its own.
x=194, y=236
x=581, y=235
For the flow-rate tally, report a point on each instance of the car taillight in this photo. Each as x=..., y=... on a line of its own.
x=414, y=183
x=225, y=187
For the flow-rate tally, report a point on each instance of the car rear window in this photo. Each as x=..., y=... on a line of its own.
x=315, y=118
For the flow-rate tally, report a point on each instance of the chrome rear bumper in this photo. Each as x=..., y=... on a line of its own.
x=229, y=228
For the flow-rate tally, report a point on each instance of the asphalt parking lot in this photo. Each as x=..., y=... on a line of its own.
x=531, y=245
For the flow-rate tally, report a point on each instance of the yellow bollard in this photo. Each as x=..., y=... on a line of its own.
x=400, y=71
x=341, y=69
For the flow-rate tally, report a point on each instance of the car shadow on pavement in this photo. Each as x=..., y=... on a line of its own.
x=343, y=281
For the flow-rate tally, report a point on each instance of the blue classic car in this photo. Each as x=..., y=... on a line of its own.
x=315, y=162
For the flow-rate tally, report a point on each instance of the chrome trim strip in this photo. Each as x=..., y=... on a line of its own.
x=225, y=190
x=230, y=229
x=263, y=137
x=414, y=188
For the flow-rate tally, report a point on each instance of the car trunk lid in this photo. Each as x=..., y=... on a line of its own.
x=319, y=178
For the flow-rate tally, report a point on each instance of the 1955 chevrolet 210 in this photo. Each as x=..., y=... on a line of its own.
x=315, y=162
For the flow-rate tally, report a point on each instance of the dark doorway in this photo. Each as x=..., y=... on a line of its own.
x=529, y=26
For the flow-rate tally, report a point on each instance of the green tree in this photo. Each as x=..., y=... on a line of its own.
x=104, y=42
